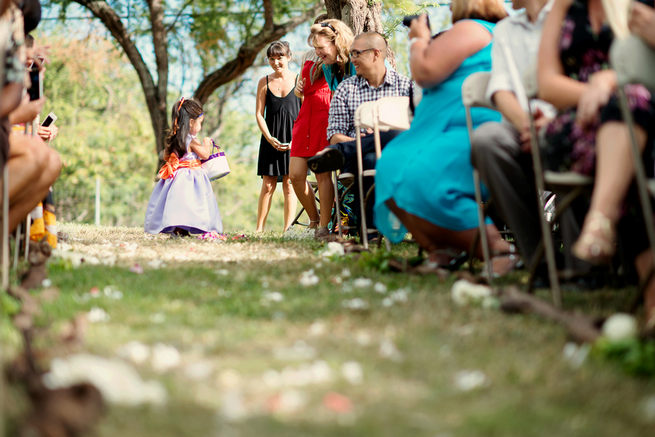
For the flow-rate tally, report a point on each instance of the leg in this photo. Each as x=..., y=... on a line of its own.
x=643, y=264
x=33, y=168
x=264, y=205
x=326, y=197
x=290, y=202
x=298, y=175
x=614, y=173
x=432, y=237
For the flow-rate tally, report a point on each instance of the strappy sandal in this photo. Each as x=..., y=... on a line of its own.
x=597, y=242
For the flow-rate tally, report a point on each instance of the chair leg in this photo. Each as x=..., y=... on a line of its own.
x=17, y=240
x=28, y=222
x=5, y=228
x=481, y=226
x=360, y=180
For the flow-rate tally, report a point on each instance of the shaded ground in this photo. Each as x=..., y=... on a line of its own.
x=267, y=347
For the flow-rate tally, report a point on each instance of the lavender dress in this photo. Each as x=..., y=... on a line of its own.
x=185, y=201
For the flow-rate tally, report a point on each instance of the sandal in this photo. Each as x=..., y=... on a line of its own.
x=597, y=241
x=509, y=261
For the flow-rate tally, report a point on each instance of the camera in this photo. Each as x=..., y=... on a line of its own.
x=407, y=21
x=35, y=91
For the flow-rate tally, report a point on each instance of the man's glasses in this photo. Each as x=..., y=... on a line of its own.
x=357, y=53
x=328, y=25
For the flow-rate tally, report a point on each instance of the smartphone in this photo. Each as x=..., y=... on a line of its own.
x=51, y=118
x=35, y=91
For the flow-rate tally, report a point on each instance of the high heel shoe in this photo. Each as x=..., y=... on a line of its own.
x=597, y=241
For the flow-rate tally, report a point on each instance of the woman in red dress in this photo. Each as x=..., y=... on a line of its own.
x=331, y=40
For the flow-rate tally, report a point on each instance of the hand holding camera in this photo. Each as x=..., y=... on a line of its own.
x=419, y=26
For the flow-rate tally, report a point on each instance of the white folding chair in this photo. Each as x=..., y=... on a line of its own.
x=634, y=62
x=387, y=113
x=474, y=91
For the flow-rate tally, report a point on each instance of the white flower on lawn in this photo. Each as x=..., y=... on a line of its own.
x=345, y=273
x=575, y=355
x=387, y=302
x=317, y=329
x=118, y=382
x=352, y=372
x=355, y=304
x=112, y=293
x=164, y=358
x=272, y=296
x=289, y=401
x=389, y=350
x=223, y=272
x=156, y=264
x=362, y=283
x=233, y=407
x=648, y=409
x=399, y=295
x=308, y=278
x=463, y=293
x=620, y=326
x=199, y=371
x=157, y=318
x=135, y=352
x=97, y=315
x=333, y=249
x=379, y=287
x=46, y=283
x=298, y=352
x=467, y=380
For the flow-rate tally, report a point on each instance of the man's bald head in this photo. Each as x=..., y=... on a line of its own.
x=374, y=40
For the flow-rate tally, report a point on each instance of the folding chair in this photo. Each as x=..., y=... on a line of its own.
x=567, y=186
x=347, y=181
x=634, y=62
x=387, y=113
x=474, y=91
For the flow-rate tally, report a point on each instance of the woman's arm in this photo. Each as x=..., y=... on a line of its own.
x=259, y=110
x=554, y=86
x=203, y=150
x=433, y=60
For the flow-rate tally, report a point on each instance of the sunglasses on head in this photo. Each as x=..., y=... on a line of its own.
x=328, y=25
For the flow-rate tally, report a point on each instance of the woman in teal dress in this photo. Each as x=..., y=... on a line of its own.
x=424, y=181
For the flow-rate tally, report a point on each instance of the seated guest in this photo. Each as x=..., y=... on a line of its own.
x=424, y=181
x=589, y=135
x=373, y=81
x=501, y=150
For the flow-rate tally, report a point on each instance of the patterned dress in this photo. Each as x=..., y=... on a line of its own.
x=583, y=53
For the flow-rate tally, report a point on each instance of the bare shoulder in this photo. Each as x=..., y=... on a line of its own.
x=466, y=35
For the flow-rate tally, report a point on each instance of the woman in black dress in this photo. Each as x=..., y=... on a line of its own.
x=277, y=109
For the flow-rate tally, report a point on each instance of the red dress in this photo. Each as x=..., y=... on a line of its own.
x=310, y=129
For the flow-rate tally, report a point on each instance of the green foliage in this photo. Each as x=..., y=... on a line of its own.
x=104, y=132
x=636, y=357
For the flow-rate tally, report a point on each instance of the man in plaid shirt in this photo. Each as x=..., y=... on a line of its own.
x=373, y=81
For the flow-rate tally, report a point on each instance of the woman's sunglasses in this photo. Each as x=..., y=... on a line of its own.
x=328, y=25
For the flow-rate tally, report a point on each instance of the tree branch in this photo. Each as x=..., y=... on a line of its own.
x=161, y=49
x=248, y=52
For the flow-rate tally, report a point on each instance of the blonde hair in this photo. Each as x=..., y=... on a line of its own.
x=487, y=10
x=339, y=34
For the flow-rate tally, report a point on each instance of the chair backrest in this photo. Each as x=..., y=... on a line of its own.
x=634, y=61
x=390, y=112
x=474, y=90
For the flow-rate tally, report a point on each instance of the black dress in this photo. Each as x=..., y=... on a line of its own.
x=280, y=114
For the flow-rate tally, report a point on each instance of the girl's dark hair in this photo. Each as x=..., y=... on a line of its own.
x=183, y=112
x=278, y=48
x=31, y=10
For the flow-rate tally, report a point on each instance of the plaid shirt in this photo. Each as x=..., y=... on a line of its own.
x=354, y=91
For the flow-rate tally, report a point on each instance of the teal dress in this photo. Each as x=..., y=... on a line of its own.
x=427, y=169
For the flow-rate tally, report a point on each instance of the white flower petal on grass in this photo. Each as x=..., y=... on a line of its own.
x=46, y=283
x=352, y=372
x=97, y=315
x=272, y=296
x=287, y=402
x=135, y=352
x=321, y=372
x=199, y=371
x=298, y=352
x=157, y=318
x=362, y=283
x=464, y=292
x=363, y=338
x=355, y=304
x=389, y=350
x=308, y=278
x=620, y=326
x=233, y=406
x=222, y=272
x=345, y=273
x=575, y=355
x=387, y=302
x=164, y=358
x=156, y=264
x=112, y=293
x=467, y=380
x=118, y=382
x=379, y=287
x=647, y=408
x=399, y=295
x=333, y=249
x=317, y=329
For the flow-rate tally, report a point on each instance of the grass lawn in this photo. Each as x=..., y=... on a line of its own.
x=263, y=353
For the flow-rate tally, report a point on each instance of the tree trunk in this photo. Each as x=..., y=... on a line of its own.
x=361, y=16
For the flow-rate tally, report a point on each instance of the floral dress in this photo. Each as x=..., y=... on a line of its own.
x=583, y=53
